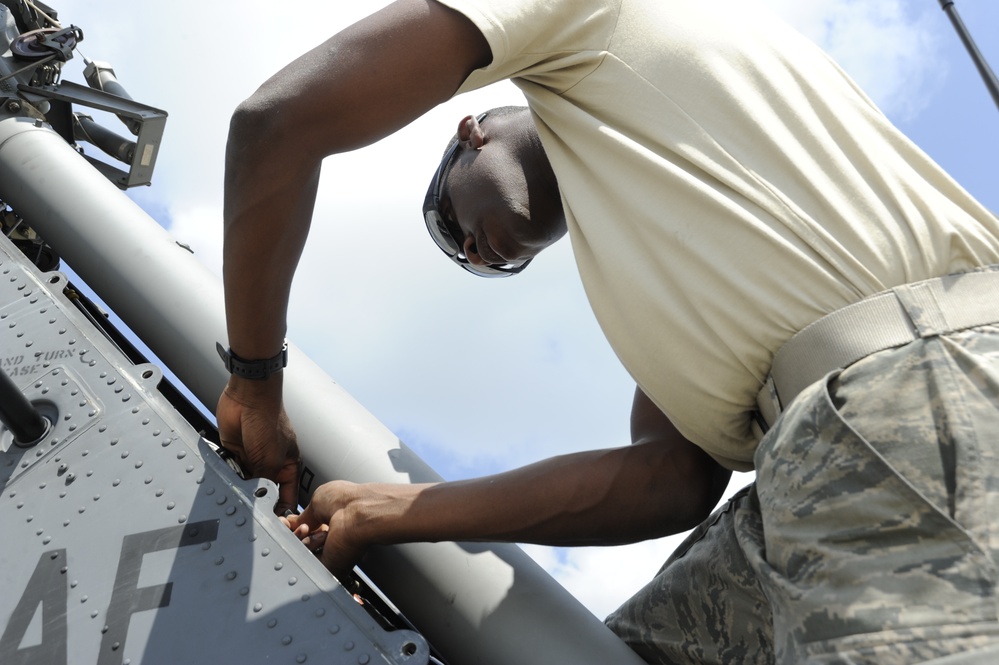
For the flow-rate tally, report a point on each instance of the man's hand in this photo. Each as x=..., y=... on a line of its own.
x=329, y=526
x=254, y=427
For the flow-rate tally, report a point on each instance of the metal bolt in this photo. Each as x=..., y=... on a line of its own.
x=13, y=106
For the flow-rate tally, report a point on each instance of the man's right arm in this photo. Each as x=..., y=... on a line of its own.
x=660, y=485
x=361, y=85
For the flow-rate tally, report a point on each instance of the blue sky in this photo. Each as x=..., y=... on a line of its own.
x=478, y=375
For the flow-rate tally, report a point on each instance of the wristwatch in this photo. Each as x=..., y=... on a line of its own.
x=253, y=369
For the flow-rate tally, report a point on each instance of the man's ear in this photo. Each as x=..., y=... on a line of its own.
x=470, y=133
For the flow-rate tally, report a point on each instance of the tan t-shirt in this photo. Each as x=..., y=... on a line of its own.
x=725, y=185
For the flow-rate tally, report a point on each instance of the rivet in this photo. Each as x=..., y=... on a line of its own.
x=265, y=552
x=114, y=442
x=231, y=575
x=83, y=600
x=244, y=591
x=279, y=565
x=124, y=454
x=126, y=398
x=240, y=521
x=72, y=585
x=159, y=492
x=182, y=454
x=209, y=491
x=82, y=510
x=97, y=497
x=148, y=480
x=321, y=612
x=182, y=519
x=347, y=646
x=46, y=540
x=190, y=469
x=138, y=465
x=271, y=623
x=292, y=581
x=206, y=546
x=222, y=499
x=363, y=659
x=102, y=429
x=116, y=482
x=145, y=421
x=334, y=629
x=171, y=505
x=230, y=511
x=306, y=597
x=115, y=646
x=301, y=658
x=219, y=561
x=257, y=607
x=93, y=615
x=286, y=640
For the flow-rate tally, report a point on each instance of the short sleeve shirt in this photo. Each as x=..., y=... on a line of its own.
x=725, y=184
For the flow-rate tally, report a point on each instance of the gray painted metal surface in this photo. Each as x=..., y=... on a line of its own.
x=126, y=539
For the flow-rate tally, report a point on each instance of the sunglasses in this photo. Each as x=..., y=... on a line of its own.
x=444, y=228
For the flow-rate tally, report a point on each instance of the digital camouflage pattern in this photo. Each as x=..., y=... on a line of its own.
x=705, y=605
x=878, y=494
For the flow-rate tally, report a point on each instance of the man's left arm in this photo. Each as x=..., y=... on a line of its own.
x=363, y=84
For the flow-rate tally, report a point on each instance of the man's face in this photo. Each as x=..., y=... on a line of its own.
x=504, y=217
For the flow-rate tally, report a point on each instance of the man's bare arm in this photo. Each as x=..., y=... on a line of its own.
x=356, y=88
x=660, y=485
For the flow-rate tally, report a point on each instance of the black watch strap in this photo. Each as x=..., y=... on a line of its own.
x=253, y=369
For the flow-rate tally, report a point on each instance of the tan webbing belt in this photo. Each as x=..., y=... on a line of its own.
x=883, y=321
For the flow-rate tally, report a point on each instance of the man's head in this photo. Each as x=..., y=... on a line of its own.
x=493, y=203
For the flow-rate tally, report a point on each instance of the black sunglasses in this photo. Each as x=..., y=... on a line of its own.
x=444, y=228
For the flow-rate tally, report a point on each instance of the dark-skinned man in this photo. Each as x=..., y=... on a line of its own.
x=767, y=255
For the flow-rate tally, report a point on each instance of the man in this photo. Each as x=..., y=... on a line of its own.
x=725, y=187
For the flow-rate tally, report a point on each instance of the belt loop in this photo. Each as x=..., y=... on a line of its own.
x=768, y=405
x=922, y=307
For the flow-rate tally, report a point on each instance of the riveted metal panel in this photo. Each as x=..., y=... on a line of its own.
x=126, y=539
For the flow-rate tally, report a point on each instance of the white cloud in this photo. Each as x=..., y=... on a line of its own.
x=889, y=47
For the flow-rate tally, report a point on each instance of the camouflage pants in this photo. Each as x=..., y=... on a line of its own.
x=871, y=535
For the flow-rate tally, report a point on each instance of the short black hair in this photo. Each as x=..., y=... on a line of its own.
x=497, y=112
